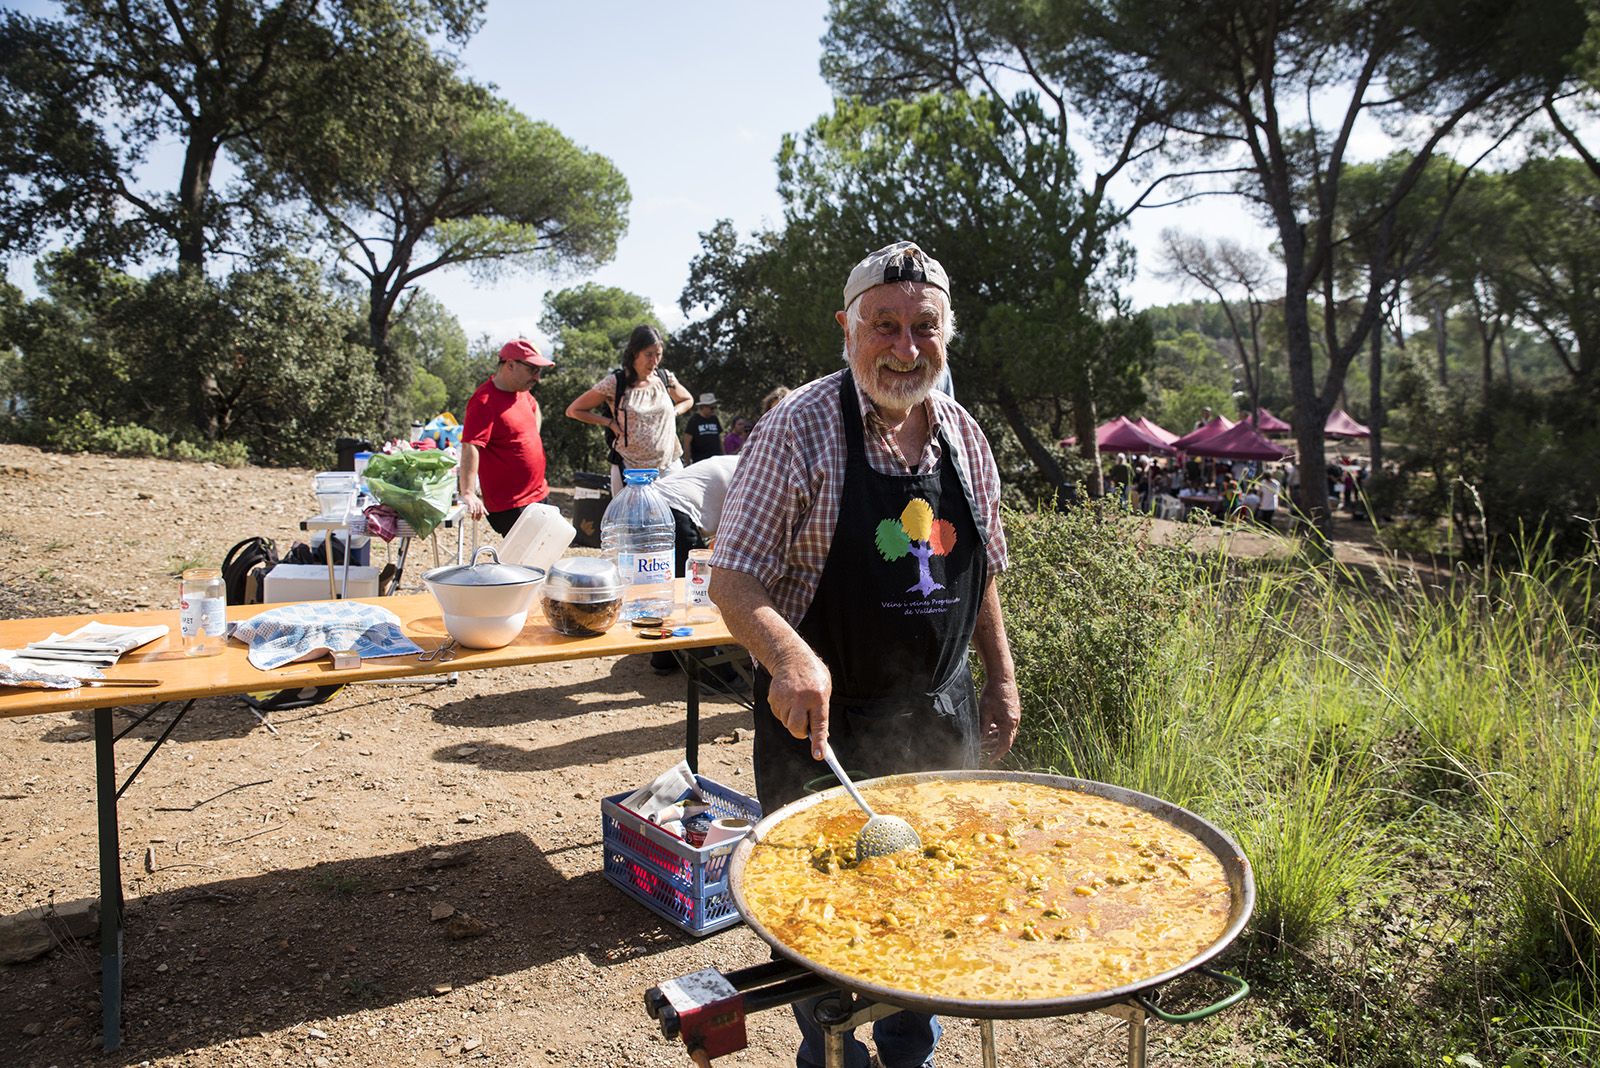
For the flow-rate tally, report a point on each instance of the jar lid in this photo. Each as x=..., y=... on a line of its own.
x=484, y=574
x=584, y=579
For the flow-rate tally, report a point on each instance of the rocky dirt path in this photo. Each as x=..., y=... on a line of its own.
x=404, y=875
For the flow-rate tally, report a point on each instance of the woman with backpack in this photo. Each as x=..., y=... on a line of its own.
x=638, y=406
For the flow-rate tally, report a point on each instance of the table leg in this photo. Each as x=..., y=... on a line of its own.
x=105, y=768
x=691, y=730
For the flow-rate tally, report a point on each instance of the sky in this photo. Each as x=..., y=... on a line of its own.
x=691, y=102
x=692, y=109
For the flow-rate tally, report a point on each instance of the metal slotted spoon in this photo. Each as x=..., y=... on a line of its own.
x=880, y=835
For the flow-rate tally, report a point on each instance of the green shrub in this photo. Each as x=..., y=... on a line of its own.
x=223, y=453
x=264, y=361
x=85, y=432
x=1090, y=606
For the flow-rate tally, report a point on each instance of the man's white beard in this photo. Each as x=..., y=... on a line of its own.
x=899, y=392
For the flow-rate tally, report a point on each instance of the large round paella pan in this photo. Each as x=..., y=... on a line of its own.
x=1034, y=895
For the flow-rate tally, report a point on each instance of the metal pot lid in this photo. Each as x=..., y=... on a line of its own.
x=584, y=578
x=484, y=574
x=1241, y=882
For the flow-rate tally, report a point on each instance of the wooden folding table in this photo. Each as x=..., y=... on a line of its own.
x=188, y=679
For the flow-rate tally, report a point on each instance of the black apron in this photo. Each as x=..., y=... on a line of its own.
x=892, y=618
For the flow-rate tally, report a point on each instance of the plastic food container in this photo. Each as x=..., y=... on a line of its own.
x=336, y=491
x=583, y=596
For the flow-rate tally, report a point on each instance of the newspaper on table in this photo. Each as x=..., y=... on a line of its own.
x=95, y=643
x=58, y=660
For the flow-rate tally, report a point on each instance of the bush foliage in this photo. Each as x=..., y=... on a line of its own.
x=264, y=363
x=1411, y=764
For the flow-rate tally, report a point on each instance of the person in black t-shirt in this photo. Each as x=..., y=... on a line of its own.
x=703, y=437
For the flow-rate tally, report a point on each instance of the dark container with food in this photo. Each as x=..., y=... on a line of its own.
x=582, y=596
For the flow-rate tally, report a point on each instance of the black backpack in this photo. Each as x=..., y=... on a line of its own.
x=244, y=573
x=244, y=570
x=612, y=456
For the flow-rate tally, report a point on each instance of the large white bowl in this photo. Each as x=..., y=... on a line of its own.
x=484, y=606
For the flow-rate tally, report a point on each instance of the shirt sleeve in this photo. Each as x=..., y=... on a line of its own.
x=478, y=421
x=770, y=494
x=983, y=477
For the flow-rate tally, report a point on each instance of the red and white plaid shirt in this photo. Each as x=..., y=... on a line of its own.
x=778, y=522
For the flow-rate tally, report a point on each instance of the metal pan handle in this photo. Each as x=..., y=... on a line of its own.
x=1240, y=992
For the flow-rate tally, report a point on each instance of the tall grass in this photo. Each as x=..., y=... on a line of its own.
x=1320, y=713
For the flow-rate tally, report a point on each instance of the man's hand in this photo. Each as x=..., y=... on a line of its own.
x=801, y=683
x=999, y=713
x=801, y=687
x=999, y=706
x=473, y=505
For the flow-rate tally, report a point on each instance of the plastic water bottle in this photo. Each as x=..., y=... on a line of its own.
x=637, y=531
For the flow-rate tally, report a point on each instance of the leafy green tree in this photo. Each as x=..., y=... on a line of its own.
x=10, y=359
x=1189, y=372
x=1267, y=92
x=412, y=169
x=760, y=313
x=991, y=188
x=1499, y=466
x=430, y=339
x=263, y=357
x=84, y=99
x=588, y=326
x=1555, y=269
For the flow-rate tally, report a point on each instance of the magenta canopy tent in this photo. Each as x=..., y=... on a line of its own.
x=1217, y=425
x=1268, y=423
x=1124, y=435
x=1239, y=442
x=1155, y=430
x=1340, y=425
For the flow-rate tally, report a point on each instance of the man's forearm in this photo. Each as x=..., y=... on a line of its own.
x=989, y=638
x=801, y=684
x=752, y=618
x=467, y=470
x=999, y=705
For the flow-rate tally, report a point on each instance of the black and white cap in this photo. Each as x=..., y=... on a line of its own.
x=902, y=261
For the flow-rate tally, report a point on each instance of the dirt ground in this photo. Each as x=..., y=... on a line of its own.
x=281, y=887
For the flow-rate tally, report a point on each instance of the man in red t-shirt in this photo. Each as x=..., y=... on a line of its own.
x=502, y=458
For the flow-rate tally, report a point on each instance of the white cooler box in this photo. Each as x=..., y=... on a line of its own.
x=309, y=582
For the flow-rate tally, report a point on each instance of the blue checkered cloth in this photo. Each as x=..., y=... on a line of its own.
x=291, y=632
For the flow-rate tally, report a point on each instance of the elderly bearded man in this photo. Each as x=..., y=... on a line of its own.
x=856, y=560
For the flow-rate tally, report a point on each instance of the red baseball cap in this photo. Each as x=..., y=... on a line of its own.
x=522, y=351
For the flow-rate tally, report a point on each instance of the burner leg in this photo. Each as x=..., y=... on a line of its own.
x=834, y=1054
x=1134, y=1013
x=986, y=1033
x=1136, y=1040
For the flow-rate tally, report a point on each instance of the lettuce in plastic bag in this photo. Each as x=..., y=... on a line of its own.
x=419, y=484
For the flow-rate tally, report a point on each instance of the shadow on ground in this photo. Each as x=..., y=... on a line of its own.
x=306, y=944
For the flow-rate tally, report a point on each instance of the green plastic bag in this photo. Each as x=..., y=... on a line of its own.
x=419, y=484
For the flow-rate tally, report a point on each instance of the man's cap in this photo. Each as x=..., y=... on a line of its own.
x=902, y=261
x=707, y=400
x=522, y=351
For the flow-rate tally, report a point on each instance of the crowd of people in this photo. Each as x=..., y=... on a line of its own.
x=1238, y=492
x=502, y=468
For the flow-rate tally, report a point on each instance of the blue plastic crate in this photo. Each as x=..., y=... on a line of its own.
x=686, y=885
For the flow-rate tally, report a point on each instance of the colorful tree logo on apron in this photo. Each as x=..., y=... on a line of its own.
x=918, y=534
